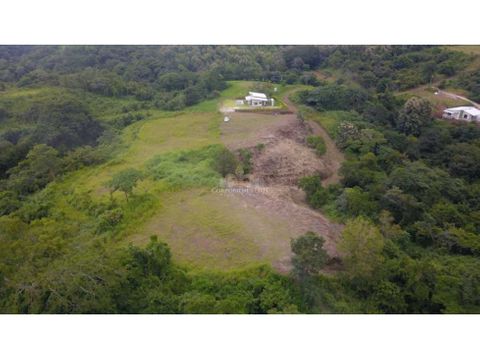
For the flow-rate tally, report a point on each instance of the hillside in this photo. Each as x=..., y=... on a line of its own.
x=122, y=188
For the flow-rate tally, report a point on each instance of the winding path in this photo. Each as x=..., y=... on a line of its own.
x=333, y=156
x=457, y=97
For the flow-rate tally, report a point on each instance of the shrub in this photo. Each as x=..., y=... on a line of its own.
x=317, y=143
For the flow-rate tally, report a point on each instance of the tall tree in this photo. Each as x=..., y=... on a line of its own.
x=415, y=114
x=309, y=256
x=125, y=181
x=361, y=246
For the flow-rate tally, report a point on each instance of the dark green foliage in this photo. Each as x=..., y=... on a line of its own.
x=309, y=256
x=409, y=192
x=395, y=67
x=463, y=160
x=471, y=82
x=417, y=181
x=317, y=195
x=335, y=97
x=141, y=280
x=62, y=122
x=317, y=143
x=225, y=162
x=40, y=167
x=9, y=202
x=303, y=57
x=245, y=156
x=415, y=114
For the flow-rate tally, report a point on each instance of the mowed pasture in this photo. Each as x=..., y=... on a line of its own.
x=210, y=230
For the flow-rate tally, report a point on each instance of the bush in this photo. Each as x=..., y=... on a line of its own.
x=109, y=219
x=317, y=143
x=193, y=168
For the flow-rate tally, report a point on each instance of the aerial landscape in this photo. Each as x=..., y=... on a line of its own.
x=214, y=179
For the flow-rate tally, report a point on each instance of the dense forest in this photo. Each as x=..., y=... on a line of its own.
x=409, y=193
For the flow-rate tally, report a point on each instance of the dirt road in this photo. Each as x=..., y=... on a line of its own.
x=457, y=97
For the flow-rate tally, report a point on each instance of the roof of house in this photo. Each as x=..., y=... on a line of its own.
x=257, y=95
x=468, y=109
x=256, y=98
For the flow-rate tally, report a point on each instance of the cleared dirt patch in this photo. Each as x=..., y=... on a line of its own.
x=245, y=130
x=285, y=162
x=287, y=205
x=284, y=157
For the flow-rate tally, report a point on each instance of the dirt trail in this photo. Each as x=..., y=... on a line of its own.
x=457, y=97
x=333, y=156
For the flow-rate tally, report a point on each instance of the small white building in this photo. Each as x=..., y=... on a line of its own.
x=466, y=113
x=258, y=99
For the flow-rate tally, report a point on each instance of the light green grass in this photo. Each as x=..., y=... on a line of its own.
x=148, y=138
x=235, y=89
x=329, y=120
x=438, y=102
x=205, y=230
x=208, y=230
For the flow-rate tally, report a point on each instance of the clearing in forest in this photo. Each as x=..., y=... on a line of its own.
x=209, y=229
x=247, y=223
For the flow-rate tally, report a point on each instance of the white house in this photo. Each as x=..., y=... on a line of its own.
x=258, y=99
x=466, y=113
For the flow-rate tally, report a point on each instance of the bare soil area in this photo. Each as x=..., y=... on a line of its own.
x=278, y=165
x=286, y=204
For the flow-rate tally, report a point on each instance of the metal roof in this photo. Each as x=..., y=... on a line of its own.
x=257, y=95
x=468, y=109
x=255, y=98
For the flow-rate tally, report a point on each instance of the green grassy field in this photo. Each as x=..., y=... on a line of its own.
x=208, y=230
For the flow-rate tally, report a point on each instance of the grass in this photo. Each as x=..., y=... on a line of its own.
x=149, y=138
x=317, y=143
x=208, y=230
x=467, y=49
x=438, y=102
x=239, y=89
x=329, y=120
x=186, y=168
x=244, y=126
x=236, y=89
x=205, y=230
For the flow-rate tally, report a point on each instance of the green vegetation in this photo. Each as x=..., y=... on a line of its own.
x=125, y=181
x=329, y=120
x=317, y=143
x=100, y=147
x=309, y=257
x=193, y=168
x=407, y=198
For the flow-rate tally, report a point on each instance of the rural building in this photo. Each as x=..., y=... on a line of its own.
x=258, y=99
x=466, y=113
